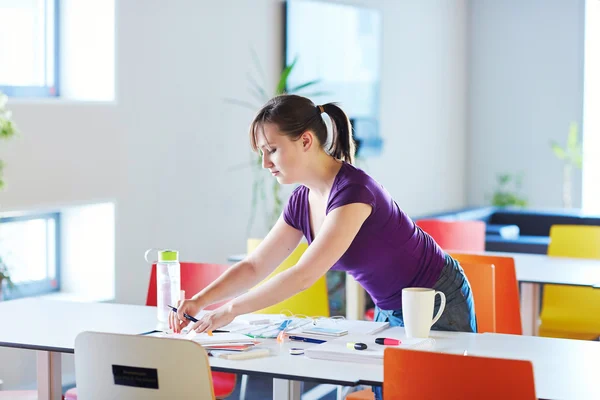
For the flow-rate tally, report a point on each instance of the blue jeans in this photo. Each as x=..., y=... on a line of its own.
x=459, y=314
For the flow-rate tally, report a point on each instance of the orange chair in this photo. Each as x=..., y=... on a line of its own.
x=412, y=374
x=508, y=308
x=482, y=280
x=365, y=394
x=455, y=235
x=194, y=277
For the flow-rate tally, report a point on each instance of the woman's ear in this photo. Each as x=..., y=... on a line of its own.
x=307, y=139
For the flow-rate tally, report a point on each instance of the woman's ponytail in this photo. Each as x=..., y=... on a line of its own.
x=342, y=145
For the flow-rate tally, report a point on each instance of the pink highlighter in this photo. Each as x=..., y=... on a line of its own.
x=388, y=341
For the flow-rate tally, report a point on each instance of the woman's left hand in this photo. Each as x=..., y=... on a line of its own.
x=214, y=320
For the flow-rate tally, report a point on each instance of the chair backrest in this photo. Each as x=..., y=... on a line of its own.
x=571, y=311
x=194, y=277
x=412, y=374
x=577, y=241
x=455, y=235
x=115, y=366
x=508, y=306
x=482, y=280
x=312, y=302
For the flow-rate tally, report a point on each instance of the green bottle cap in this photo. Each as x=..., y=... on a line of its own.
x=168, y=255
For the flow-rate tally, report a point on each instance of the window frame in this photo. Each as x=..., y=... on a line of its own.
x=42, y=91
x=43, y=286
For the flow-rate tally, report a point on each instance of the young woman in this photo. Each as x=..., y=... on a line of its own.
x=349, y=220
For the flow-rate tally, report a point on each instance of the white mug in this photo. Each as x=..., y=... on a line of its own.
x=417, y=309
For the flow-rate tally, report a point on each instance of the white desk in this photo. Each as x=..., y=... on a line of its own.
x=563, y=368
x=532, y=271
x=57, y=323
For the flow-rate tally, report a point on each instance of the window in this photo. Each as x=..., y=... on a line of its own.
x=29, y=247
x=591, y=101
x=29, y=48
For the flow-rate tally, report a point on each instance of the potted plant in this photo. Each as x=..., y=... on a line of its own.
x=7, y=127
x=5, y=277
x=572, y=157
x=508, y=191
x=7, y=130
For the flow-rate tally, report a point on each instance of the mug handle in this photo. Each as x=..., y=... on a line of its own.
x=442, y=306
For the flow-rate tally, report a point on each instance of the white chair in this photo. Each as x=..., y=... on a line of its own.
x=112, y=366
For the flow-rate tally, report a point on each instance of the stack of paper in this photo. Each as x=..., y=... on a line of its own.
x=337, y=349
x=353, y=327
x=229, y=341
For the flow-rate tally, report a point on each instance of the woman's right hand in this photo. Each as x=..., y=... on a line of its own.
x=177, y=321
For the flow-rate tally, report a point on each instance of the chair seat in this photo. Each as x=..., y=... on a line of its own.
x=223, y=383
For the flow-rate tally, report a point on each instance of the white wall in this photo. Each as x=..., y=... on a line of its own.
x=525, y=87
x=163, y=149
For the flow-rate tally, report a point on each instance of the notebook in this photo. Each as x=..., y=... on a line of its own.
x=336, y=350
x=342, y=326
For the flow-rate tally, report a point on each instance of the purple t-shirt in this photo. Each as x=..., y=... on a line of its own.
x=389, y=252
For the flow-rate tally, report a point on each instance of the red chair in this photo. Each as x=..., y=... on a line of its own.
x=194, y=277
x=451, y=235
x=455, y=235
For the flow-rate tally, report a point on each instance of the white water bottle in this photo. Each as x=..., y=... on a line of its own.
x=168, y=284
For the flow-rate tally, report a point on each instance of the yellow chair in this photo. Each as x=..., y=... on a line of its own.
x=569, y=311
x=312, y=302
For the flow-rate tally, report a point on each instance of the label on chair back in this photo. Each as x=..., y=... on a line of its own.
x=135, y=376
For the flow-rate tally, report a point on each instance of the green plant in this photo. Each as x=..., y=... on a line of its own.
x=507, y=193
x=572, y=157
x=260, y=95
x=5, y=276
x=7, y=127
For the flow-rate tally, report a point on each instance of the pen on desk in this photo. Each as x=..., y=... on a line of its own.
x=190, y=318
x=307, y=340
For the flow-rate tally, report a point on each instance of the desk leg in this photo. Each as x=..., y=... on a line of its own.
x=286, y=390
x=530, y=308
x=49, y=379
x=355, y=299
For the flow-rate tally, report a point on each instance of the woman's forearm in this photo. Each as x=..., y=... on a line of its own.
x=276, y=289
x=236, y=280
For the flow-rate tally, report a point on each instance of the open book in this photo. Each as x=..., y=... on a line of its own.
x=337, y=350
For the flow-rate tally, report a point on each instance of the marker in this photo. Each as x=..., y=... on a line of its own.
x=356, y=346
x=387, y=341
x=307, y=340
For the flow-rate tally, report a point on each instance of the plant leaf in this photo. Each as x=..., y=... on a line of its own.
x=284, y=77
x=572, y=141
x=558, y=151
x=257, y=65
x=304, y=85
x=578, y=161
x=242, y=103
x=256, y=90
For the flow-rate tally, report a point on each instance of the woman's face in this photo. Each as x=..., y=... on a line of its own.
x=281, y=156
